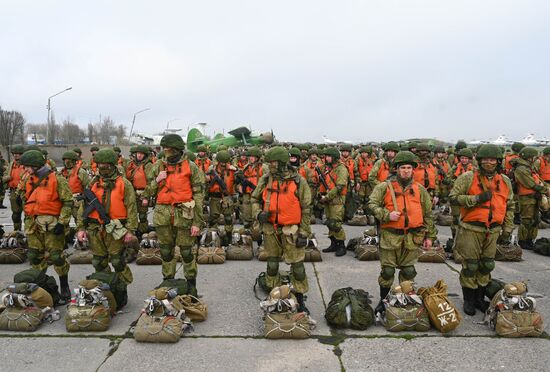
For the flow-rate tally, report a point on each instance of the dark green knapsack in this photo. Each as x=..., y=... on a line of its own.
x=351, y=308
x=493, y=287
x=180, y=285
x=117, y=286
x=261, y=282
x=542, y=246
x=40, y=278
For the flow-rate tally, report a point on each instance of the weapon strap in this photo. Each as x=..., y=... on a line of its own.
x=392, y=193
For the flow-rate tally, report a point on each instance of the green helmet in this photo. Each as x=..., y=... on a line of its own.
x=303, y=146
x=77, y=150
x=294, y=151
x=391, y=146
x=367, y=149
x=32, y=147
x=106, y=156
x=117, y=149
x=411, y=145
x=45, y=152
x=173, y=140
x=18, y=149
x=190, y=155
x=222, y=147
x=201, y=148
x=313, y=151
x=33, y=158
x=546, y=151
x=345, y=147
x=439, y=150
x=144, y=149
x=223, y=156
x=133, y=149
x=423, y=147
x=254, y=151
x=405, y=157
x=277, y=153
x=70, y=155
x=517, y=146
x=528, y=152
x=460, y=145
x=489, y=151
x=333, y=153
x=94, y=148
x=466, y=152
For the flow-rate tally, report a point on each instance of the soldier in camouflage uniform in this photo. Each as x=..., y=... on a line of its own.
x=48, y=202
x=443, y=168
x=107, y=239
x=485, y=198
x=363, y=166
x=383, y=167
x=178, y=185
x=138, y=172
x=281, y=202
x=309, y=172
x=530, y=188
x=252, y=173
x=12, y=178
x=295, y=157
x=2, y=185
x=336, y=177
x=464, y=165
x=404, y=209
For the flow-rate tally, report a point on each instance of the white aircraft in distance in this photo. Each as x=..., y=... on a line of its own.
x=328, y=141
x=530, y=140
x=502, y=141
x=477, y=142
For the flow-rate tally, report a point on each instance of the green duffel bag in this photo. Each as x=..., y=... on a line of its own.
x=409, y=318
x=287, y=325
x=367, y=252
x=40, y=278
x=12, y=255
x=116, y=285
x=351, y=308
x=494, y=287
x=312, y=255
x=80, y=257
x=179, y=284
x=508, y=252
x=87, y=318
x=240, y=252
x=542, y=246
x=23, y=319
x=262, y=283
x=165, y=329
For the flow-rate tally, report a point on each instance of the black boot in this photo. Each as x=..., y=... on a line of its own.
x=469, y=295
x=340, y=248
x=332, y=246
x=65, y=290
x=480, y=302
x=192, y=287
x=380, y=307
x=301, y=303
x=526, y=244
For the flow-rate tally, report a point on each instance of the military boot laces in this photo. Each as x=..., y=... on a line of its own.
x=331, y=247
x=301, y=303
x=340, y=248
x=469, y=300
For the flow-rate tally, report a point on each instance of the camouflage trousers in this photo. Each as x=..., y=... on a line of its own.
x=529, y=213
x=42, y=241
x=246, y=211
x=281, y=242
x=171, y=236
x=364, y=193
x=105, y=248
x=397, y=252
x=16, y=209
x=335, y=217
x=143, y=224
x=221, y=206
x=478, y=249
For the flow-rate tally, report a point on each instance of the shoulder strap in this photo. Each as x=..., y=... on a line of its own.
x=392, y=193
x=268, y=196
x=35, y=185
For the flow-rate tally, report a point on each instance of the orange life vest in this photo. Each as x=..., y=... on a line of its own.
x=177, y=187
x=136, y=174
x=330, y=175
x=444, y=166
x=507, y=165
x=350, y=165
x=408, y=203
x=426, y=175
x=117, y=209
x=284, y=204
x=203, y=163
x=364, y=168
x=460, y=169
x=492, y=211
x=93, y=166
x=383, y=171
x=544, y=170
x=72, y=177
x=15, y=175
x=522, y=190
x=242, y=163
x=44, y=200
x=252, y=172
x=228, y=176
x=79, y=162
x=310, y=174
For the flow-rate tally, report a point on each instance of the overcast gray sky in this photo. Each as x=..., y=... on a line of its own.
x=351, y=70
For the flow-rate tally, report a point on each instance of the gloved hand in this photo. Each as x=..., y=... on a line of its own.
x=301, y=241
x=504, y=238
x=58, y=229
x=263, y=216
x=485, y=196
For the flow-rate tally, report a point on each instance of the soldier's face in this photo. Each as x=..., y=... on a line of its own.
x=328, y=159
x=345, y=153
x=313, y=157
x=16, y=156
x=29, y=170
x=489, y=164
x=390, y=154
x=464, y=160
x=440, y=155
x=293, y=159
x=365, y=155
x=68, y=163
x=202, y=154
x=252, y=159
x=405, y=171
x=140, y=156
x=93, y=153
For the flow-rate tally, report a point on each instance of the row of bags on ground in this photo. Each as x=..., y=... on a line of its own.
x=512, y=312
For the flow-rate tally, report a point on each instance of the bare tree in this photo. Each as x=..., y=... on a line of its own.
x=12, y=124
x=71, y=132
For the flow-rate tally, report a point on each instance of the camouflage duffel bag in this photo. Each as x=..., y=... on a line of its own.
x=210, y=255
x=165, y=329
x=508, y=252
x=436, y=254
x=13, y=255
x=87, y=318
x=312, y=255
x=23, y=319
x=516, y=323
x=358, y=220
x=287, y=325
x=367, y=252
x=444, y=219
x=351, y=308
x=542, y=246
x=409, y=318
x=239, y=252
x=79, y=257
x=148, y=256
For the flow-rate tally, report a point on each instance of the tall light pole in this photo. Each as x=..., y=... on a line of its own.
x=49, y=109
x=169, y=121
x=134, y=120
